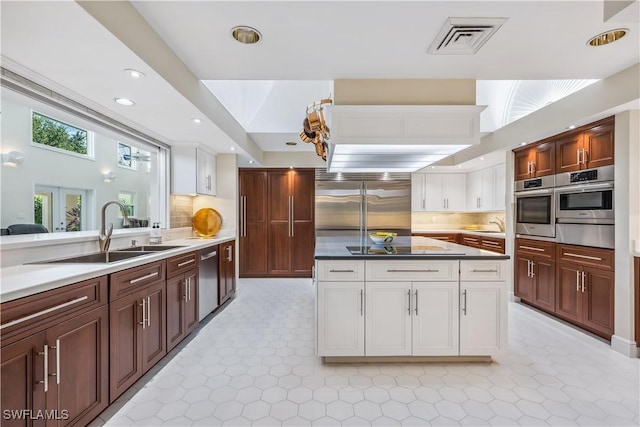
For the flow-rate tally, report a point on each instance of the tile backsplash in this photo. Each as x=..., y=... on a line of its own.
x=454, y=221
x=181, y=211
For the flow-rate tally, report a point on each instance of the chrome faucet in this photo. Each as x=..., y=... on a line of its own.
x=105, y=236
x=499, y=223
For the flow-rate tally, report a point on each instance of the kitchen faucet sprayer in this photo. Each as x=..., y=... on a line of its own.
x=105, y=236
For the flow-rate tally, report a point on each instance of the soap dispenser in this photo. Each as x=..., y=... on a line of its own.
x=156, y=235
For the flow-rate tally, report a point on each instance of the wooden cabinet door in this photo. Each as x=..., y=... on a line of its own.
x=191, y=312
x=435, y=320
x=598, y=146
x=567, y=152
x=340, y=317
x=303, y=227
x=388, y=318
x=223, y=266
x=231, y=269
x=279, y=234
x=522, y=164
x=568, y=291
x=544, y=159
x=523, y=286
x=154, y=334
x=80, y=362
x=176, y=295
x=253, y=223
x=22, y=368
x=544, y=284
x=483, y=324
x=598, y=301
x=125, y=355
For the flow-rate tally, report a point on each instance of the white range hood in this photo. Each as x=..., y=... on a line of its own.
x=399, y=138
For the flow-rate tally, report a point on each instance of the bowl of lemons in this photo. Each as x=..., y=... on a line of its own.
x=382, y=237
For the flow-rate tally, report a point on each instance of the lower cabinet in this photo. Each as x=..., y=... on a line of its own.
x=449, y=316
x=138, y=335
x=182, y=306
x=226, y=271
x=60, y=367
x=535, y=273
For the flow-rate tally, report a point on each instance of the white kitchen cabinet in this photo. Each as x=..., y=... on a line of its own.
x=486, y=189
x=500, y=187
x=435, y=319
x=435, y=192
x=193, y=171
x=388, y=319
x=340, y=319
x=483, y=309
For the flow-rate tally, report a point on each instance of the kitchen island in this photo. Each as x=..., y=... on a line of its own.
x=413, y=300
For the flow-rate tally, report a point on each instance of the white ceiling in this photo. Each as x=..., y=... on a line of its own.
x=79, y=50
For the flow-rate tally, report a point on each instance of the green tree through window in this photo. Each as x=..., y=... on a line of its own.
x=54, y=133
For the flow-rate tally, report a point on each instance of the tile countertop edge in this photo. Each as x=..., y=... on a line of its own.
x=28, y=279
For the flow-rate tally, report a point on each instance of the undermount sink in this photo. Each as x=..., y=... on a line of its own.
x=95, y=258
x=148, y=248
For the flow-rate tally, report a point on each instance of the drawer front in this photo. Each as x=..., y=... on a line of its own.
x=470, y=240
x=133, y=279
x=412, y=271
x=51, y=307
x=493, y=244
x=182, y=263
x=535, y=248
x=483, y=271
x=592, y=257
x=341, y=270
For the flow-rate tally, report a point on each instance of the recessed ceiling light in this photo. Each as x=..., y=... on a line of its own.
x=459, y=166
x=291, y=143
x=246, y=35
x=290, y=167
x=571, y=127
x=232, y=148
x=481, y=158
x=607, y=37
x=134, y=74
x=251, y=161
x=523, y=143
x=433, y=167
x=124, y=101
x=196, y=120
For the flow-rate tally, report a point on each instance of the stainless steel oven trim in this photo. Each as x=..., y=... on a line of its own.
x=548, y=181
x=535, y=229
x=605, y=173
x=585, y=216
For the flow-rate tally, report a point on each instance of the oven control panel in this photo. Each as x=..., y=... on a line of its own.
x=590, y=175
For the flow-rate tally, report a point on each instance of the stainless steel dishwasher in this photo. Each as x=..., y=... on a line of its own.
x=208, y=281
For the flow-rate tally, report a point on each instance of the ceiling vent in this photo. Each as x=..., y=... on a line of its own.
x=464, y=36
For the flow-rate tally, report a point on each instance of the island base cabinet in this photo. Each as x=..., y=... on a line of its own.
x=483, y=318
x=435, y=319
x=340, y=319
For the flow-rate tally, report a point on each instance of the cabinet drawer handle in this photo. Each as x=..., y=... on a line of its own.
x=182, y=264
x=40, y=313
x=140, y=279
x=341, y=271
x=484, y=271
x=583, y=275
x=577, y=281
x=409, y=302
x=45, y=380
x=361, y=302
x=491, y=243
x=416, y=307
x=464, y=307
x=595, y=258
x=144, y=313
x=531, y=249
x=148, y=312
x=413, y=271
x=57, y=374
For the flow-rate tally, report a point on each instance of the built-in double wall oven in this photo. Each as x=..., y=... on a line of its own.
x=585, y=207
x=535, y=207
x=573, y=207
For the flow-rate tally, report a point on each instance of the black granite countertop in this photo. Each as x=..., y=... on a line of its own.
x=402, y=247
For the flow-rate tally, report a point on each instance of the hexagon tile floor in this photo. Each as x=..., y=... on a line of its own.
x=253, y=364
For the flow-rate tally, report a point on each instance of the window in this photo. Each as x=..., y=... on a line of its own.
x=60, y=209
x=128, y=199
x=124, y=155
x=60, y=135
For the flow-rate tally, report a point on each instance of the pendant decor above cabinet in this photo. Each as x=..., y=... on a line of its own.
x=315, y=129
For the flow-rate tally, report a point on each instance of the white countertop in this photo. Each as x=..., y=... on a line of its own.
x=27, y=279
x=473, y=232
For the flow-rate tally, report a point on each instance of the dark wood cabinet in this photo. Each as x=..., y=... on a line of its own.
x=226, y=271
x=59, y=363
x=588, y=147
x=182, y=306
x=182, y=297
x=534, y=161
x=471, y=240
x=277, y=228
x=585, y=293
x=138, y=332
x=535, y=273
x=253, y=223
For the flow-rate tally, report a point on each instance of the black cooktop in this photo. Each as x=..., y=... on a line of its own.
x=401, y=250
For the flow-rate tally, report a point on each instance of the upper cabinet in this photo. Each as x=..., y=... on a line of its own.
x=486, y=189
x=193, y=171
x=586, y=149
x=535, y=161
x=435, y=192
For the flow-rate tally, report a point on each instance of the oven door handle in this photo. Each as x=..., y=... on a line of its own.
x=583, y=187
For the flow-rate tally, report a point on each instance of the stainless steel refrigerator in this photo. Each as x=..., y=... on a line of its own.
x=357, y=204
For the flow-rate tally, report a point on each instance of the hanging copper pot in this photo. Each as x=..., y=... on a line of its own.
x=314, y=120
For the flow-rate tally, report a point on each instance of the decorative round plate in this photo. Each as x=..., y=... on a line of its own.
x=206, y=222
